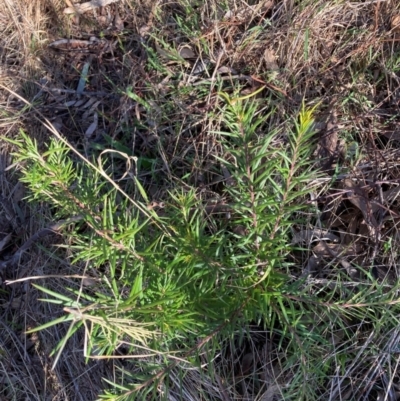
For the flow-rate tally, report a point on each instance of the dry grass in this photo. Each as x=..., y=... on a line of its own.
x=343, y=55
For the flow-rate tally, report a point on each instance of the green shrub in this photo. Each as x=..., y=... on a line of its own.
x=177, y=281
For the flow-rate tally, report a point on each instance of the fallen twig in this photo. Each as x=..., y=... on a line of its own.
x=54, y=228
x=90, y=5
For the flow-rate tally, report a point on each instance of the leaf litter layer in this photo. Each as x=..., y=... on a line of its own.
x=145, y=79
